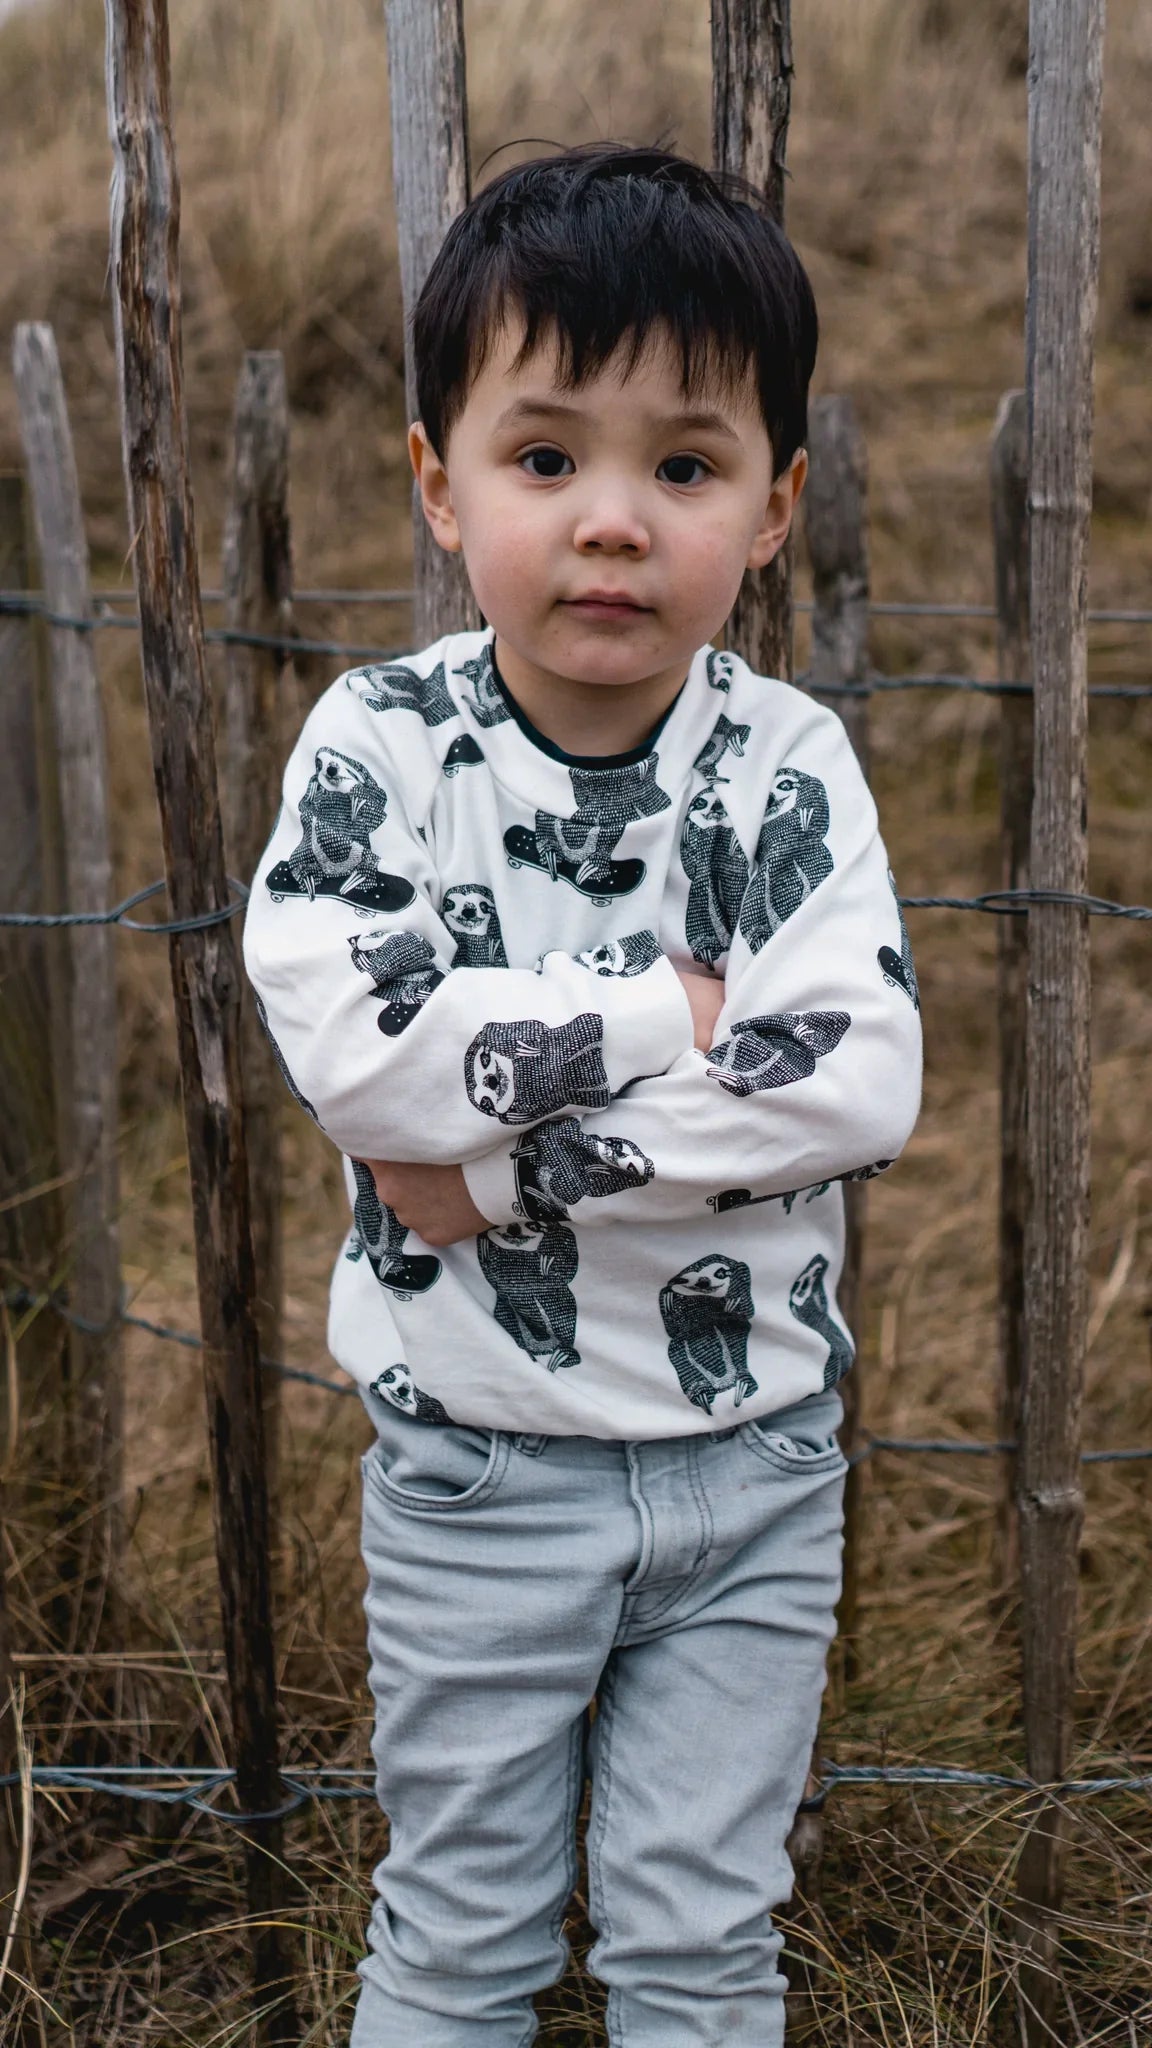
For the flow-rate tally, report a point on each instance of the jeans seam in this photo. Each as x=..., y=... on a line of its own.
x=605, y=1709
x=699, y=1563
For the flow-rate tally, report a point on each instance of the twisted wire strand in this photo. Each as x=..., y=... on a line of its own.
x=22, y=604
x=196, y=1785
x=899, y=608
x=40, y=920
x=999, y=902
x=21, y=1298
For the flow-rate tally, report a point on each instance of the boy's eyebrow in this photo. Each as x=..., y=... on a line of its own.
x=549, y=408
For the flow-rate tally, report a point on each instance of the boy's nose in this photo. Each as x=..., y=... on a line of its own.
x=611, y=527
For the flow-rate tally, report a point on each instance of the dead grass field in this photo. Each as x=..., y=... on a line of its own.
x=907, y=156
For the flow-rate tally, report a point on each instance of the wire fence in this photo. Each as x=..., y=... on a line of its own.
x=23, y=604
x=193, y=1785
x=24, y=1301
x=999, y=902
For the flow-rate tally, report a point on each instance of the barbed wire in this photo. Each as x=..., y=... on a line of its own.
x=21, y=1298
x=1013, y=902
x=153, y=1784
x=44, y=920
x=998, y=902
x=890, y=608
x=20, y=603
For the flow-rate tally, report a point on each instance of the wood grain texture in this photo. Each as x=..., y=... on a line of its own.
x=87, y=1060
x=1009, y=481
x=204, y=963
x=430, y=179
x=751, y=106
x=261, y=712
x=31, y=1232
x=836, y=530
x=1064, y=78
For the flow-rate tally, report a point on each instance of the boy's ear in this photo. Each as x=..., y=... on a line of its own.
x=435, y=494
x=782, y=502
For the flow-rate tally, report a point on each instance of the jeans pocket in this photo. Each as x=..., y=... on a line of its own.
x=801, y=1438
x=435, y=1470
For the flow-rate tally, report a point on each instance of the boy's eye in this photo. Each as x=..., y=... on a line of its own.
x=544, y=462
x=678, y=468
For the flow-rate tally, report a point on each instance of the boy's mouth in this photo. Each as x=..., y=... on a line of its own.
x=606, y=604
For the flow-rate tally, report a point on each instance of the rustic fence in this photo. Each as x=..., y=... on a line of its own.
x=54, y=850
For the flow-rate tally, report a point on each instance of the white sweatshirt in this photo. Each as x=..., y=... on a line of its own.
x=464, y=941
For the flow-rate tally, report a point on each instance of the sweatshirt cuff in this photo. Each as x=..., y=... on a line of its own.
x=647, y=1023
x=491, y=1182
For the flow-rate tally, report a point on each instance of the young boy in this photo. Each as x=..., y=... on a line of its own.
x=579, y=940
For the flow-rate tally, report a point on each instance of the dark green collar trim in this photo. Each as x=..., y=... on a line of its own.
x=538, y=739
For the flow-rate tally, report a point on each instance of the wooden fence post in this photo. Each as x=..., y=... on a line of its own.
x=751, y=103
x=1065, y=67
x=17, y=1955
x=429, y=112
x=88, y=1093
x=836, y=531
x=1009, y=478
x=31, y=1229
x=257, y=576
x=204, y=962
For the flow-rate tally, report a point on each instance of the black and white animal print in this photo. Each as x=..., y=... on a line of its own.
x=607, y=800
x=392, y=687
x=791, y=859
x=627, y=956
x=707, y=1310
x=485, y=699
x=340, y=809
x=529, y=1267
x=469, y=911
x=719, y=669
x=725, y=737
x=717, y=870
x=463, y=753
x=279, y=1058
x=396, y=1386
x=898, y=968
x=558, y=1164
x=809, y=1304
x=743, y=1198
x=769, y=1052
x=522, y=1071
x=378, y=1232
x=404, y=973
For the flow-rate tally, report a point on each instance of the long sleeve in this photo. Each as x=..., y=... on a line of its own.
x=815, y=1070
x=398, y=1049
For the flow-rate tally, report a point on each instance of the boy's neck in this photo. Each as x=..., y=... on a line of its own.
x=587, y=718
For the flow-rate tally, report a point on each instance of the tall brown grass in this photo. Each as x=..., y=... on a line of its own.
x=908, y=161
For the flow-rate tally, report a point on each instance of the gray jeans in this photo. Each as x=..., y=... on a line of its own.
x=687, y=1585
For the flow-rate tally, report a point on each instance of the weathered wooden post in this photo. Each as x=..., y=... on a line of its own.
x=836, y=531
x=257, y=576
x=31, y=1230
x=17, y=1955
x=86, y=1059
x=751, y=104
x=204, y=961
x=429, y=113
x=1009, y=478
x=1065, y=68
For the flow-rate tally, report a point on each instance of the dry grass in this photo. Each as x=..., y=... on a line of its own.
x=908, y=161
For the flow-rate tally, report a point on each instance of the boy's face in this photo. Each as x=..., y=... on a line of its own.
x=605, y=530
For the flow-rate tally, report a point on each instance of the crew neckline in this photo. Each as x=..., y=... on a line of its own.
x=541, y=741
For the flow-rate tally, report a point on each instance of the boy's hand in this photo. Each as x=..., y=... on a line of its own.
x=705, y=993
x=431, y=1200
